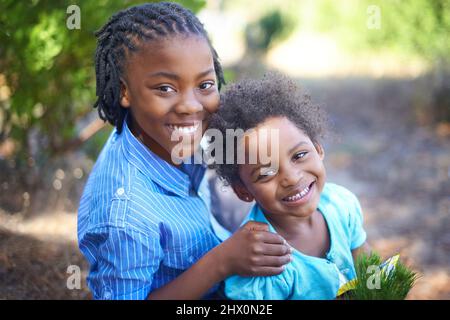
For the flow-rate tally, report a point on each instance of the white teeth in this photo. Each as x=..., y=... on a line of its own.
x=298, y=196
x=184, y=129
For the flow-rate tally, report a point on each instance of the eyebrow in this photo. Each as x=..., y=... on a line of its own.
x=174, y=76
x=205, y=73
x=297, y=145
x=164, y=74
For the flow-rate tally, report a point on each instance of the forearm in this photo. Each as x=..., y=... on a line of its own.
x=194, y=282
x=251, y=251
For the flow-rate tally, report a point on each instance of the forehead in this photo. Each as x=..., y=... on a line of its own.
x=180, y=54
x=277, y=132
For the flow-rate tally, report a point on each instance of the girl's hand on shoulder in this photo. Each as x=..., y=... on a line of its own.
x=253, y=251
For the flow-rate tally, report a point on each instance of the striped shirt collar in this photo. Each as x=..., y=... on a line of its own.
x=164, y=174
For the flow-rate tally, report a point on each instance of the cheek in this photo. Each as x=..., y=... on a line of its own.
x=319, y=171
x=316, y=165
x=211, y=102
x=155, y=109
x=265, y=193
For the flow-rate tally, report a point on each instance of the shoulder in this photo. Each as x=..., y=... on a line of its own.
x=118, y=195
x=277, y=287
x=255, y=214
x=340, y=203
x=340, y=200
x=339, y=195
x=128, y=201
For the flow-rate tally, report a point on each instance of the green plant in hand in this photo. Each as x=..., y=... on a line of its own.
x=376, y=281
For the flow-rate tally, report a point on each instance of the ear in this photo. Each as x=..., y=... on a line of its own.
x=124, y=94
x=320, y=150
x=241, y=191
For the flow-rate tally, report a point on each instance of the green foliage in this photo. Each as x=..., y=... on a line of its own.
x=49, y=71
x=229, y=76
x=393, y=285
x=415, y=27
x=93, y=146
x=420, y=27
x=268, y=30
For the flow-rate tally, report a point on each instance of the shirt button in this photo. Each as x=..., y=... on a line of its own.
x=107, y=294
x=191, y=259
x=120, y=191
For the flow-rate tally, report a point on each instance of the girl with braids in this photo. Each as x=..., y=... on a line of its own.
x=144, y=223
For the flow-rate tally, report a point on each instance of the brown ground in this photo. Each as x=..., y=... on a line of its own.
x=35, y=255
x=400, y=172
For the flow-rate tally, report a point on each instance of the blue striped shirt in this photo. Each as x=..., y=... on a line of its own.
x=141, y=221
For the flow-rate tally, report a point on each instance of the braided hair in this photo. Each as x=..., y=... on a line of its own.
x=123, y=34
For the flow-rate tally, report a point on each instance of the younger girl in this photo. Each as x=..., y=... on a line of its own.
x=144, y=222
x=321, y=221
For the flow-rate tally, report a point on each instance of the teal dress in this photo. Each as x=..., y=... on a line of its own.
x=308, y=277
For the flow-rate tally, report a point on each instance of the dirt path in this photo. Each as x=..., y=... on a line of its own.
x=35, y=255
x=399, y=171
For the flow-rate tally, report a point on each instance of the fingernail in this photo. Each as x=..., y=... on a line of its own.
x=291, y=249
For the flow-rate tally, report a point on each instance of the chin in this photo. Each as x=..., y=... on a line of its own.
x=305, y=214
x=307, y=210
x=190, y=151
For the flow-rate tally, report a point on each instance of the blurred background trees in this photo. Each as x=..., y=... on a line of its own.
x=409, y=28
x=47, y=82
x=380, y=68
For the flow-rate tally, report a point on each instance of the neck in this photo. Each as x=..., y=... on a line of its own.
x=291, y=226
x=150, y=143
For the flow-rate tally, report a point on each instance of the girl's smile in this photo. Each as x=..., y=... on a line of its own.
x=299, y=196
x=185, y=129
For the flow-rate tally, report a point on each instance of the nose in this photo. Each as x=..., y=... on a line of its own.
x=189, y=104
x=290, y=176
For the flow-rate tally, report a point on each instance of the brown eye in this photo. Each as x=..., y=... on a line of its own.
x=266, y=172
x=165, y=89
x=206, y=85
x=300, y=155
